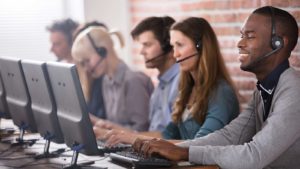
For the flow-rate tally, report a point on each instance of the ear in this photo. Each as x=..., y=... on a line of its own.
x=285, y=42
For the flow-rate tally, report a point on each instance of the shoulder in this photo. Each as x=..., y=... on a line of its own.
x=289, y=83
x=223, y=88
x=137, y=79
x=290, y=77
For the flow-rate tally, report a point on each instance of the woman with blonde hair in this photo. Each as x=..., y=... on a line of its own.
x=207, y=100
x=126, y=93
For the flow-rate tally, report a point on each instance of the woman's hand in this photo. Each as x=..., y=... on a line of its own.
x=115, y=136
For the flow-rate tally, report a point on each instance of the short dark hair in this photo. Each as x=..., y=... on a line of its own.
x=160, y=27
x=65, y=26
x=285, y=23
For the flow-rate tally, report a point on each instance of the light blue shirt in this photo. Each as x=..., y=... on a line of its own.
x=163, y=98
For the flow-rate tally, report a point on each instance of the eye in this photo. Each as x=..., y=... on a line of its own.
x=84, y=62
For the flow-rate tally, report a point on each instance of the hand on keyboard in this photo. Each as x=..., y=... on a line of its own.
x=114, y=137
x=161, y=147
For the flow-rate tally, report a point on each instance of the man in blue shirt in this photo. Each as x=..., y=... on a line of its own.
x=153, y=35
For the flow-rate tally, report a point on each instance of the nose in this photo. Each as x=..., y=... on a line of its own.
x=142, y=51
x=175, y=53
x=241, y=43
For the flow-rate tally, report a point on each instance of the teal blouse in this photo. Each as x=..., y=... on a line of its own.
x=223, y=107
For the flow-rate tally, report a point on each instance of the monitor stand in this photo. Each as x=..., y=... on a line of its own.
x=46, y=153
x=20, y=141
x=76, y=148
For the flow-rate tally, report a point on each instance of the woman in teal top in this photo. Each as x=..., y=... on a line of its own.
x=222, y=108
x=206, y=100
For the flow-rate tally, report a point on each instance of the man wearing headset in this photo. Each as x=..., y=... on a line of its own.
x=152, y=34
x=266, y=134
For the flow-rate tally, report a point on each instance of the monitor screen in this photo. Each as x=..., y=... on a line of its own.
x=4, y=113
x=71, y=107
x=42, y=100
x=17, y=96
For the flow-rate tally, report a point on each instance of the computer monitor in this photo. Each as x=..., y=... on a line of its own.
x=42, y=100
x=4, y=113
x=17, y=96
x=72, y=110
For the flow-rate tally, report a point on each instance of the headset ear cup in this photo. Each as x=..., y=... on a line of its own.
x=102, y=51
x=199, y=45
x=277, y=42
x=166, y=47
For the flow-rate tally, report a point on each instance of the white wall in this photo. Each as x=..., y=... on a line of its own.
x=23, y=25
x=115, y=14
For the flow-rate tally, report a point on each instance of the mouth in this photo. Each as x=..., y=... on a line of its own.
x=243, y=57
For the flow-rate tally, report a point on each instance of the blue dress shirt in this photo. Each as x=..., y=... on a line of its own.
x=163, y=98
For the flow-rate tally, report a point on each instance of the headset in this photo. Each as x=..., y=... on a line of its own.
x=101, y=51
x=276, y=41
x=165, y=45
x=198, y=45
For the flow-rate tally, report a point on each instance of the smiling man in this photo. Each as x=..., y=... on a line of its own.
x=266, y=134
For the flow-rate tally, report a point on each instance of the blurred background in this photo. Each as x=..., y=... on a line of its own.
x=23, y=26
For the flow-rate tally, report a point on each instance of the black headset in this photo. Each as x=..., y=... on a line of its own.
x=276, y=41
x=165, y=45
x=198, y=45
x=101, y=51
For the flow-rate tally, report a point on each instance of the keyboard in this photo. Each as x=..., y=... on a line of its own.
x=138, y=161
x=105, y=150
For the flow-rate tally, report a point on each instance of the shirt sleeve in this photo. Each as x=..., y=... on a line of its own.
x=138, y=92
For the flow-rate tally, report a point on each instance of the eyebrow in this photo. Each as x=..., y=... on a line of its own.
x=246, y=32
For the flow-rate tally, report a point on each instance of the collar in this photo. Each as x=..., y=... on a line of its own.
x=118, y=75
x=269, y=83
x=169, y=74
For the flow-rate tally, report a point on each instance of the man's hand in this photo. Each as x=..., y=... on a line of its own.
x=161, y=147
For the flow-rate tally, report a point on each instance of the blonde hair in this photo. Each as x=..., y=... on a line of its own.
x=210, y=69
x=101, y=37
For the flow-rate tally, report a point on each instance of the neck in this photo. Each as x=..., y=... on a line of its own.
x=170, y=61
x=265, y=69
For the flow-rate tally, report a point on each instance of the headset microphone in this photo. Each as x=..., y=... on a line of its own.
x=188, y=57
x=258, y=59
x=96, y=65
x=155, y=58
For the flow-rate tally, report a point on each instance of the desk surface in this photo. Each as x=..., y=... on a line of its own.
x=23, y=157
